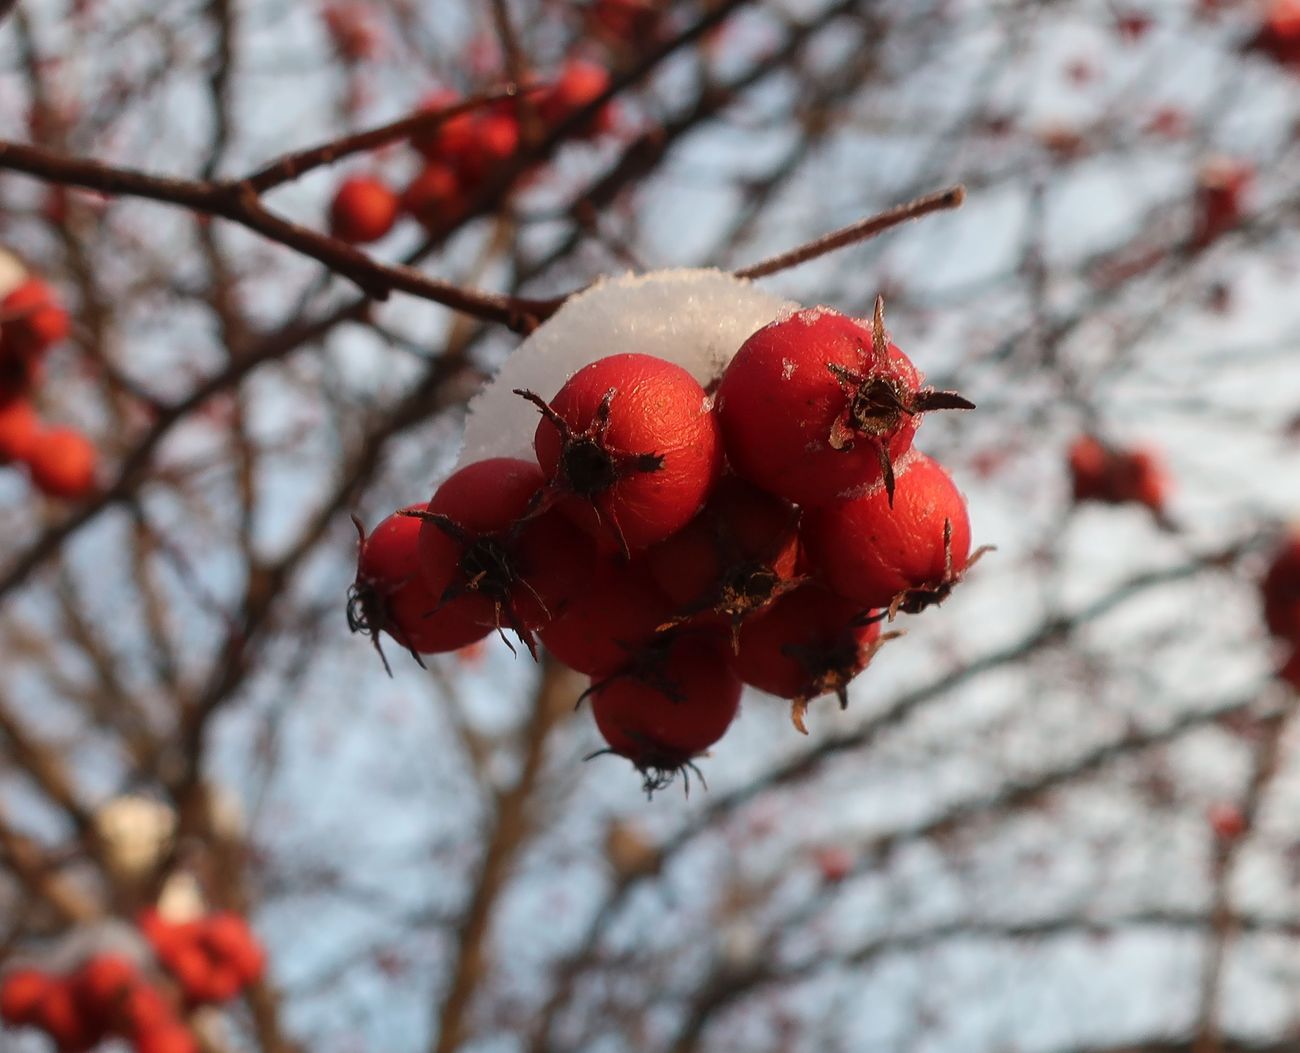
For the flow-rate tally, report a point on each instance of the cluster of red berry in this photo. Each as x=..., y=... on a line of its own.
x=673, y=543
x=463, y=151
x=1116, y=476
x=61, y=461
x=211, y=959
x=1281, y=593
x=107, y=996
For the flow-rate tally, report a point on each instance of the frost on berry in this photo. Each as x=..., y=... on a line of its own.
x=819, y=407
x=694, y=318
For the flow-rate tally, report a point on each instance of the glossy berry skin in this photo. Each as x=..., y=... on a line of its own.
x=31, y=319
x=609, y=622
x=733, y=558
x=364, y=209
x=475, y=542
x=434, y=197
x=1280, y=592
x=447, y=141
x=909, y=555
x=21, y=993
x=19, y=429
x=390, y=594
x=62, y=463
x=663, y=715
x=630, y=449
x=807, y=643
x=816, y=407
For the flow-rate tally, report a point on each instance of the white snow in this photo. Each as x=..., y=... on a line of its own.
x=695, y=318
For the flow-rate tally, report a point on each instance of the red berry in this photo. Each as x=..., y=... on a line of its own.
x=904, y=558
x=62, y=463
x=807, y=643
x=483, y=540
x=19, y=428
x=173, y=1038
x=228, y=939
x=447, y=140
x=610, y=621
x=579, y=84
x=733, y=558
x=661, y=714
x=33, y=320
x=1088, y=464
x=434, y=197
x=1281, y=592
x=364, y=210
x=101, y=985
x=143, y=1009
x=59, y=1016
x=630, y=448
x=493, y=142
x=834, y=862
x=1226, y=820
x=21, y=994
x=390, y=595
x=1114, y=476
x=817, y=407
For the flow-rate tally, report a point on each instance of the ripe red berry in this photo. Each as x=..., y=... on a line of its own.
x=494, y=140
x=1226, y=820
x=733, y=558
x=143, y=1009
x=663, y=713
x=228, y=939
x=905, y=558
x=608, y=622
x=447, y=140
x=1280, y=591
x=834, y=862
x=1115, y=476
x=364, y=210
x=32, y=319
x=62, y=463
x=630, y=448
x=483, y=539
x=59, y=1016
x=101, y=985
x=809, y=642
x=816, y=407
x=579, y=84
x=173, y=1038
x=19, y=428
x=434, y=197
x=390, y=595
x=21, y=993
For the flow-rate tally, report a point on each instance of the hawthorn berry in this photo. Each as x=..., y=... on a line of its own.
x=816, y=407
x=732, y=559
x=364, y=209
x=101, y=985
x=609, y=622
x=1116, y=476
x=227, y=938
x=485, y=539
x=663, y=711
x=62, y=463
x=435, y=196
x=809, y=642
x=630, y=448
x=59, y=1016
x=173, y=1038
x=579, y=84
x=905, y=558
x=448, y=139
x=32, y=319
x=21, y=994
x=19, y=429
x=390, y=595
